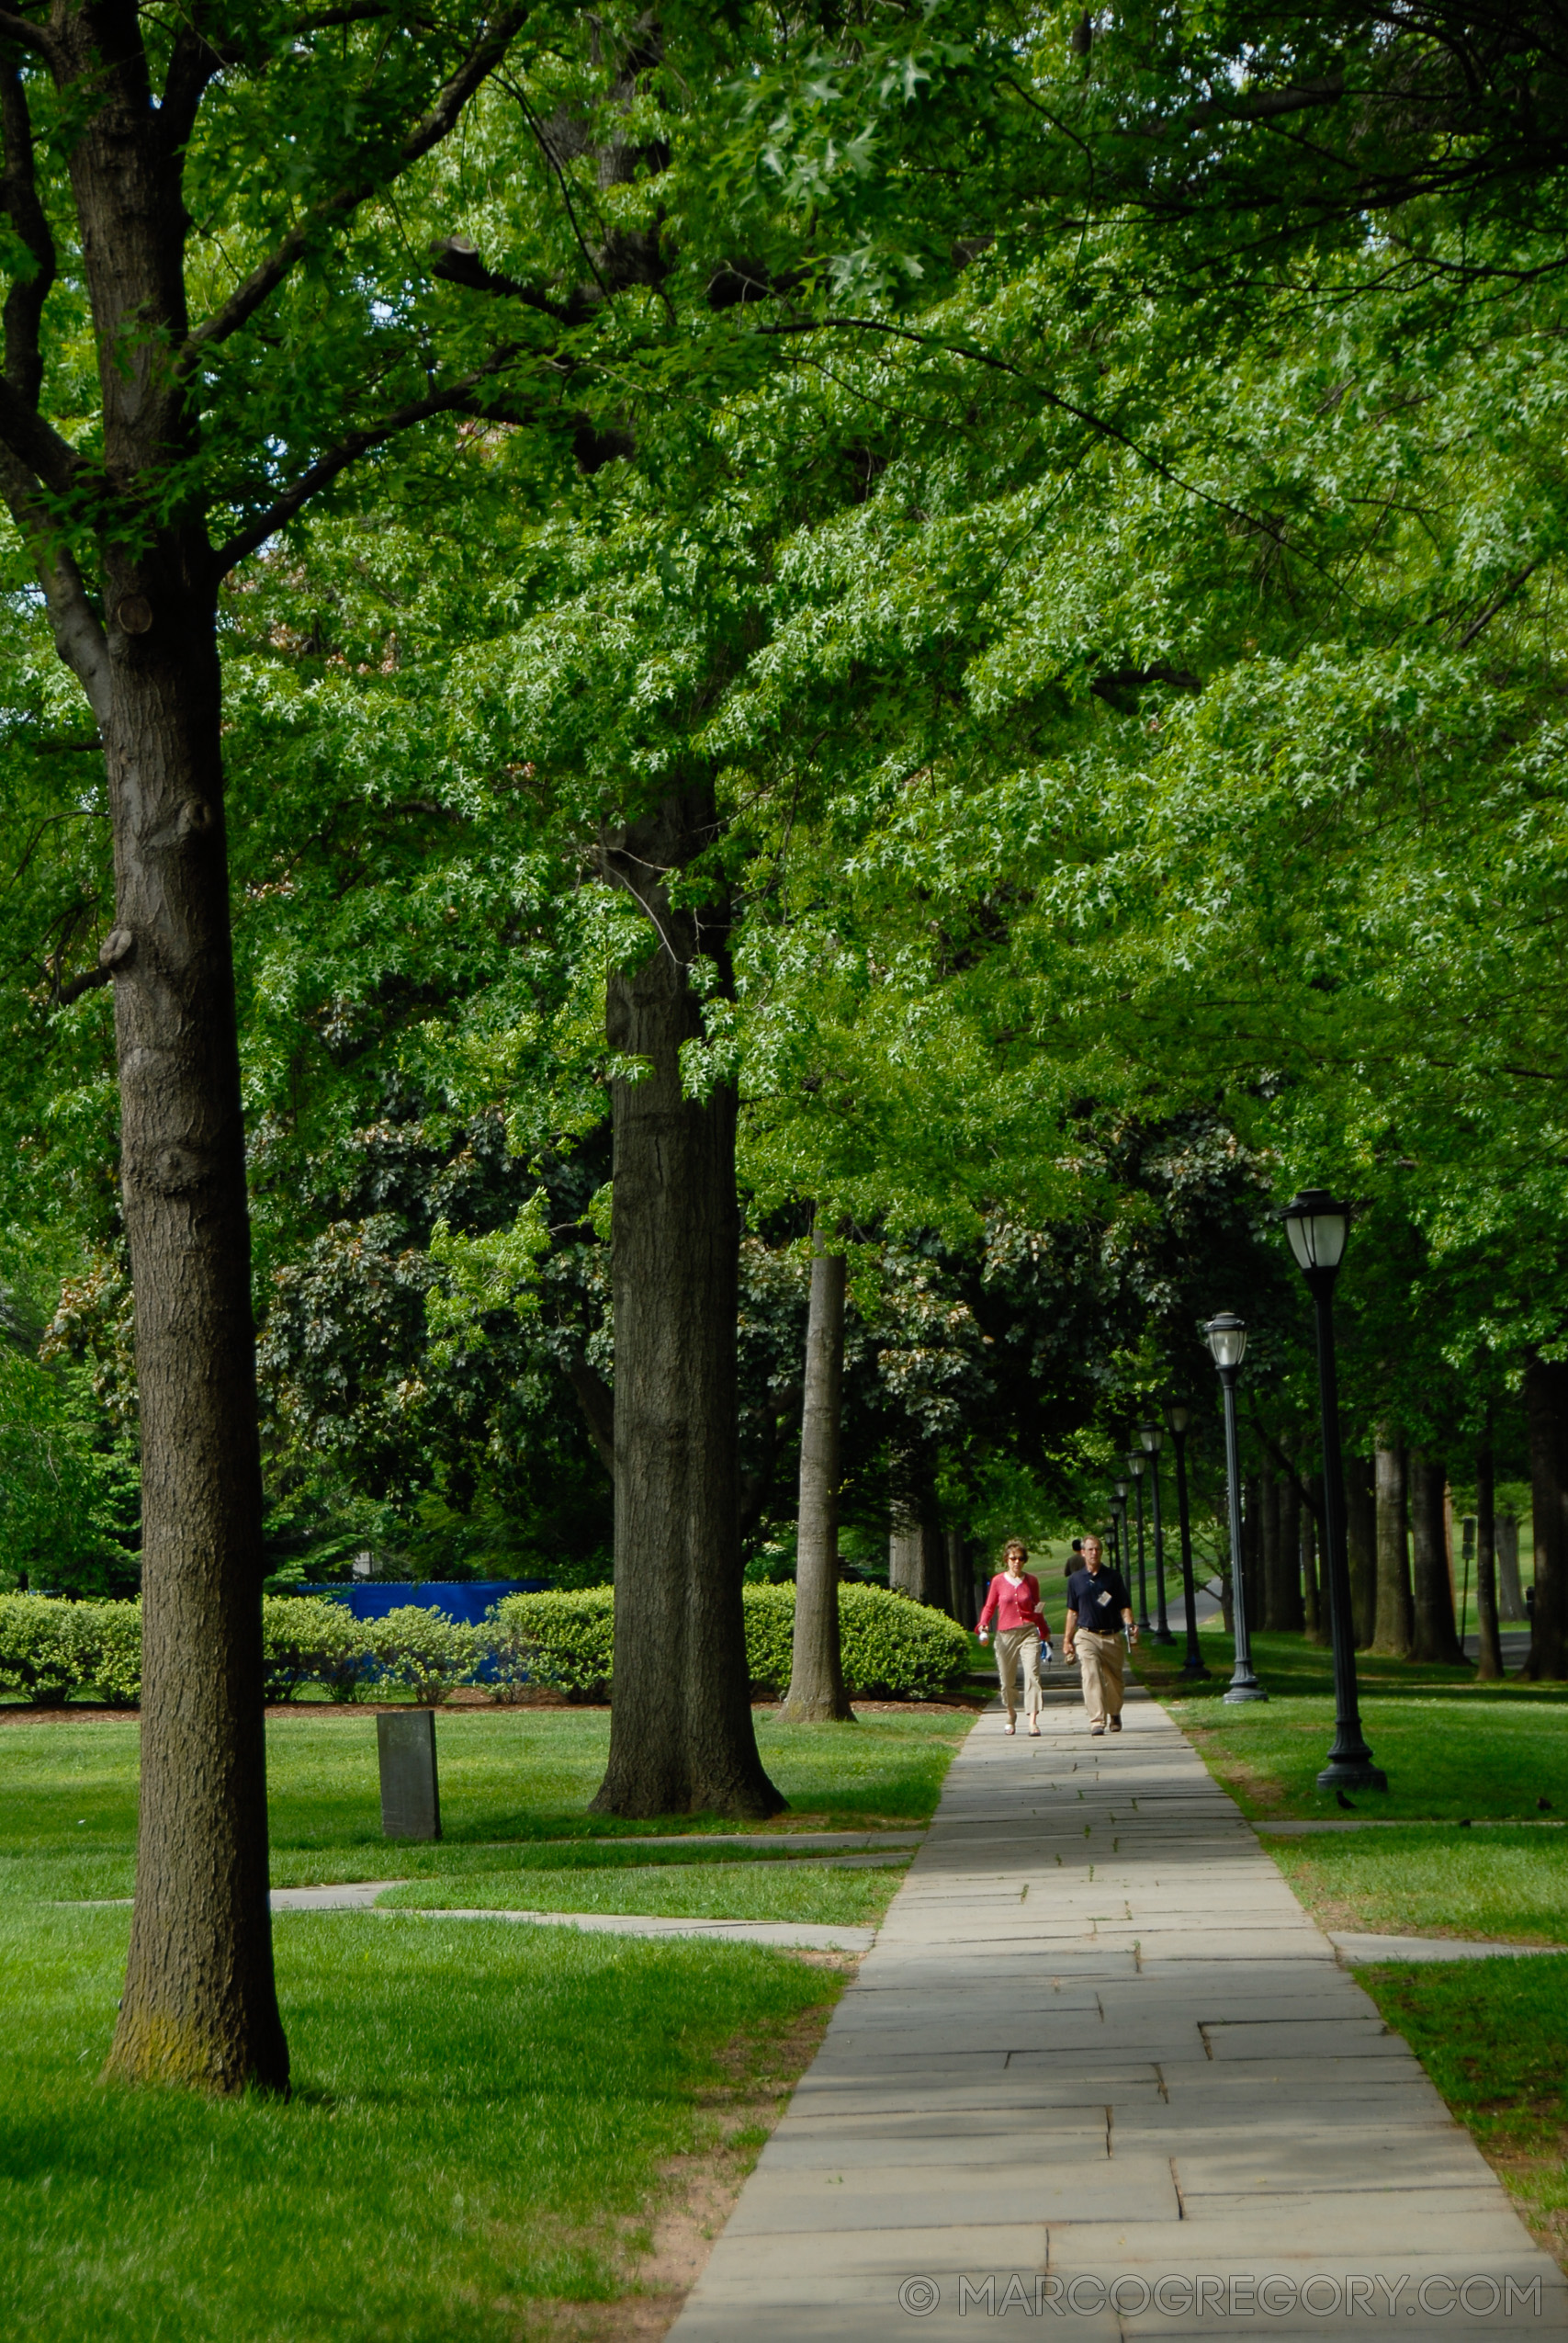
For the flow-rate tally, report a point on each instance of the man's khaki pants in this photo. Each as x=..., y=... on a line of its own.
x=1100, y=1661
x=1014, y=1644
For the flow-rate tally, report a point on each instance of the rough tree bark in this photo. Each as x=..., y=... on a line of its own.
x=1316, y=1594
x=1361, y=1544
x=1545, y=1411
x=1393, y=1628
x=817, y=1667
x=934, y=1585
x=1289, y=1611
x=1252, y=1536
x=133, y=484
x=682, y=1739
x=1434, y=1636
x=1268, y=1528
x=1489, y=1648
x=960, y=1582
x=1511, y=1604
x=906, y=1558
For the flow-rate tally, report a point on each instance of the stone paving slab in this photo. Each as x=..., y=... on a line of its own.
x=1158, y=2070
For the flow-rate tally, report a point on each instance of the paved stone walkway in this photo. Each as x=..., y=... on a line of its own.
x=1100, y=2058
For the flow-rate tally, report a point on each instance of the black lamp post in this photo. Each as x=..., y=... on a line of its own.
x=1317, y=1229
x=1227, y=1342
x=1178, y=1415
x=1119, y=1528
x=1151, y=1436
x=1135, y=1464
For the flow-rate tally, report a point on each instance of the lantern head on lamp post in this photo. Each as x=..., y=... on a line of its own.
x=1318, y=1228
x=1152, y=1435
x=1227, y=1344
x=1178, y=1415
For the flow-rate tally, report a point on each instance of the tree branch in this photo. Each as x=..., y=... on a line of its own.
x=31, y=36
x=437, y=124
x=35, y=443
x=88, y=981
x=1493, y=607
x=18, y=191
x=456, y=261
x=458, y=400
x=78, y=635
x=1133, y=679
x=1268, y=107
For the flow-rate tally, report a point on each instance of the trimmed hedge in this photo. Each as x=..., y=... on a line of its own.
x=426, y=1651
x=561, y=1639
x=307, y=1641
x=50, y=1649
x=893, y=1648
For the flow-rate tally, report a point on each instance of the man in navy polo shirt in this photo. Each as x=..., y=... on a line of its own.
x=1098, y=1606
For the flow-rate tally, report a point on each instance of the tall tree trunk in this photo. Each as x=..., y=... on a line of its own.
x=1268, y=1527
x=934, y=1583
x=1395, y=1627
x=682, y=1739
x=1511, y=1604
x=1489, y=1648
x=1435, y=1636
x=1252, y=1550
x=816, y=1666
x=200, y=2005
x=1545, y=1411
x=960, y=1583
x=907, y=1557
x=1362, y=1545
x=1289, y=1613
x=1314, y=1606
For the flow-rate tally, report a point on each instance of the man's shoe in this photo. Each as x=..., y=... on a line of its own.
x=1095, y=1731
x=1116, y=1725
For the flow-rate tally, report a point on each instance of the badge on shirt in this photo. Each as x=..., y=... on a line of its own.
x=1105, y=1597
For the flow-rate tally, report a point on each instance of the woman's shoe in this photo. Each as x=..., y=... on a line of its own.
x=1010, y=1727
x=1034, y=1732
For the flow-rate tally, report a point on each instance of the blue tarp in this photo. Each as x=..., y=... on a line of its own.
x=464, y=1599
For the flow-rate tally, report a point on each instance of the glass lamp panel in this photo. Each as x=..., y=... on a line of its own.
x=1181, y=1417
x=1149, y=1434
x=1227, y=1341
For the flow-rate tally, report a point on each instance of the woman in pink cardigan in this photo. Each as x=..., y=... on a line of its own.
x=1014, y=1603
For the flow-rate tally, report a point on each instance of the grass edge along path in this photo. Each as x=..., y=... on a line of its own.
x=1493, y=2038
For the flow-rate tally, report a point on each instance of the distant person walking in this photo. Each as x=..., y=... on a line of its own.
x=1098, y=1607
x=1014, y=1602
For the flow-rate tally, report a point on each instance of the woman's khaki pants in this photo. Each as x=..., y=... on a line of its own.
x=1100, y=1661
x=1013, y=1644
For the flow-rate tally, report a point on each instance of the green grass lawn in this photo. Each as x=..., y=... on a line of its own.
x=68, y=1789
x=481, y=2114
x=1452, y=1747
x=1500, y=2058
x=1510, y=1885
x=771, y=1891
